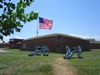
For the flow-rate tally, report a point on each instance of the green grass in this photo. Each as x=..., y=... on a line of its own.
x=89, y=65
x=16, y=62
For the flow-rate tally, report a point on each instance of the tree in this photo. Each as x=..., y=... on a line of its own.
x=13, y=16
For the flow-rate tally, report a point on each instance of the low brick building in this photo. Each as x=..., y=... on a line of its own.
x=55, y=42
x=95, y=45
x=4, y=45
x=15, y=43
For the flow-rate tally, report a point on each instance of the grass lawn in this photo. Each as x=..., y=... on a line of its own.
x=89, y=65
x=16, y=62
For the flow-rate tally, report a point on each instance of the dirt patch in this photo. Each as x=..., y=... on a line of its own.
x=60, y=67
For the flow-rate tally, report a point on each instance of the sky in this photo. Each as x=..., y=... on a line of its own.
x=73, y=17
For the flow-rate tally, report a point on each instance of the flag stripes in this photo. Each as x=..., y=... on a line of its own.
x=45, y=23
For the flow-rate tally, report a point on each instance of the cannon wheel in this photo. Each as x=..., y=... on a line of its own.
x=45, y=50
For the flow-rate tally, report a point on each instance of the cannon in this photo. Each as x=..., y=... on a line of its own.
x=44, y=50
x=70, y=51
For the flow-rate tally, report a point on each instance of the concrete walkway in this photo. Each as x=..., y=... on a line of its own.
x=1, y=50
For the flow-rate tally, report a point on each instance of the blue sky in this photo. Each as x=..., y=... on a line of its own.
x=73, y=17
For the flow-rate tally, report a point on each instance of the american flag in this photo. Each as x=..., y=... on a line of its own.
x=45, y=23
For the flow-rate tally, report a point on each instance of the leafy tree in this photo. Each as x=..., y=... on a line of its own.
x=13, y=16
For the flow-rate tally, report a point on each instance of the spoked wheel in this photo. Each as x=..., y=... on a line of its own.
x=45, y=50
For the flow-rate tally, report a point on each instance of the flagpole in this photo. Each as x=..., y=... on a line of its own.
x=37, y=31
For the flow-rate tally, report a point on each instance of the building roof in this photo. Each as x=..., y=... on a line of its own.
x=16, y=39
x=56, y=34
x=91, y=40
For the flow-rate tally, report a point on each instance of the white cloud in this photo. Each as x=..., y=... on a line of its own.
x=6, y=39
x=18, y=37
x=0, y=41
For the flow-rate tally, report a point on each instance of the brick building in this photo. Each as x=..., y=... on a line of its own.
x=4, y=45
x=55, y=42
x=15, y=43
x=94, y=44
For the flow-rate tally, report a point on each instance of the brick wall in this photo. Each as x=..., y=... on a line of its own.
x=55, y=43
x=94, y=45
x=15, y=43
x=3, y=45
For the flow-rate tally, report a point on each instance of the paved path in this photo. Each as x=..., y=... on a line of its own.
x=1, y=50
x=61, y=67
